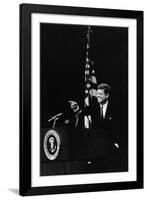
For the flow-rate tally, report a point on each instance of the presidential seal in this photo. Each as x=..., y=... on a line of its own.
x=51, y=144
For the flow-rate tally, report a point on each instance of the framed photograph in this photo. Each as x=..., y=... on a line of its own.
x=81, y=99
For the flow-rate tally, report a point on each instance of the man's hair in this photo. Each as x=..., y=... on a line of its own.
x=105, y=87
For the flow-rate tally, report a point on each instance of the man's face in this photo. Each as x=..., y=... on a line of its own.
x=101, y=96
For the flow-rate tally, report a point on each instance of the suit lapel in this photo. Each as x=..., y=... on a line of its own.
x=108, y=111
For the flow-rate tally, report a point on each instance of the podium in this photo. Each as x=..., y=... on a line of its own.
x=69, y=144
x=67, y=150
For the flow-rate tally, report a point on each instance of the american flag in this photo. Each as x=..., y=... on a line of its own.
x=90, y=80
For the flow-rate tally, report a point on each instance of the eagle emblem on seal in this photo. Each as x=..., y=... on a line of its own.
x=51, y=144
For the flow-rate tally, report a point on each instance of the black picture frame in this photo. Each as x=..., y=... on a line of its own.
x=25, y=183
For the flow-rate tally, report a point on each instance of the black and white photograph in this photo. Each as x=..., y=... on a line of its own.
x=84, y=99
x=81, y=93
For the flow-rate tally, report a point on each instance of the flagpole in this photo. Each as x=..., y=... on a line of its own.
x=87, y=118
x=90, y=79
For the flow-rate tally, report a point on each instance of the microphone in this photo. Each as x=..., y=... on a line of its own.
x=55, y=116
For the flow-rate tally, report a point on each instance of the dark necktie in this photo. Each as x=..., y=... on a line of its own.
x=101, y=112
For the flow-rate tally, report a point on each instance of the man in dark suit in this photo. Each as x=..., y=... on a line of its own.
x=104, y=114
x=106, y=119
x=100, y=108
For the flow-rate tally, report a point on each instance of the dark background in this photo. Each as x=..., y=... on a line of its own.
x=63, y=56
